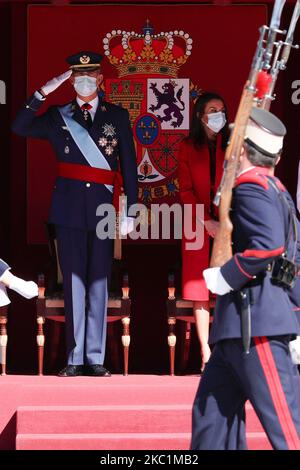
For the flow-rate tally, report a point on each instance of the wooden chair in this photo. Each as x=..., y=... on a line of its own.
x=179, y=309
x=50, y=302
x=3, y=337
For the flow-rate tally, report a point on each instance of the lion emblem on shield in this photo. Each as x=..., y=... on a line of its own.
x=172, y=111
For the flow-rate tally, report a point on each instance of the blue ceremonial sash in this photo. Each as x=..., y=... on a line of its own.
x=84, y=142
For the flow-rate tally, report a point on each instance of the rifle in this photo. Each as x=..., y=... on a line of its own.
x=222, y=246
x=283, y=49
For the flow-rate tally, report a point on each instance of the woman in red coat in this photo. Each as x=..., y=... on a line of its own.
x=200, y=169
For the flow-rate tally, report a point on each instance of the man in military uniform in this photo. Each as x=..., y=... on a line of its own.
x=91, y=139
x=264, y=375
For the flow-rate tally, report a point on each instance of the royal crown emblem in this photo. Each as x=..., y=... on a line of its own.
x=147, y=53
x=157, y=100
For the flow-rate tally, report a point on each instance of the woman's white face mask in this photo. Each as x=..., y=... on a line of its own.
x=85, y=85
x=216, y=121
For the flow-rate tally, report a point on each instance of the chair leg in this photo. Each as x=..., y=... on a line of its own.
x=40, y=339
x=55, y=332
x=3, y=342
x=186, y=347
x=113, y=346
x=172, y=343
x=126, y=342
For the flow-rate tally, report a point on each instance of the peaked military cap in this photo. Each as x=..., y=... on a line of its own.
x=265, y=132
x=84, y=60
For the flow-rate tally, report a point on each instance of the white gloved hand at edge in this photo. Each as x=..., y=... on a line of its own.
x=215, y=282
x=294, y=347
x=4, y=299
x=55, y=82
x=27, y=289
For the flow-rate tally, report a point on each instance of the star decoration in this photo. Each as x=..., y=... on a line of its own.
x=109, y=150
x=109, y=130
x=102, y=141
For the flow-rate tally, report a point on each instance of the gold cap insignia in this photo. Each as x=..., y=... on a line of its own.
x=85, y=59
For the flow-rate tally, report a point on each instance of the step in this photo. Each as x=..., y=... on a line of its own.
x=103, y=419
x=70, y=394
x=103, y=441
x=120, y=441
x=133, y=389
x=108, y=418
x=252, y=422
x=258, y=441
x=167, y=401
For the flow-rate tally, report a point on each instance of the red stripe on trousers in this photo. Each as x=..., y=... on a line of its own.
x=276, y=391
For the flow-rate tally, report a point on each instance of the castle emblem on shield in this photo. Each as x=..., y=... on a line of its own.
x=158, y=102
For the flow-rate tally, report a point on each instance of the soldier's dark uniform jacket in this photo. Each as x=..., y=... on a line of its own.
x=294, y=294
x=74, y=203
x=265, y=376
x=259, y=237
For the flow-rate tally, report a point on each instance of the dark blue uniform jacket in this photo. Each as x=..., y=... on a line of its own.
x=260, y=221
x=74, y=203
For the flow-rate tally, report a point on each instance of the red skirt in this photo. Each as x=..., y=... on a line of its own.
x=193, y=264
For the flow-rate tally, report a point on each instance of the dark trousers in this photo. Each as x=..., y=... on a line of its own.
x=85, y=263
x=265, y=376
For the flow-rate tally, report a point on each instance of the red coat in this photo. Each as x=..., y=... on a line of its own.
x=194, y=188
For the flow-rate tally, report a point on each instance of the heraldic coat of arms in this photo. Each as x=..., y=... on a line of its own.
x=157, y=101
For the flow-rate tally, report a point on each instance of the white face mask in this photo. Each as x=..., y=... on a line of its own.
x=85, y=85
x=216, y=121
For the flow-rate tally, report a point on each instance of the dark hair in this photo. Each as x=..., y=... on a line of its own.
x=197, y=132
x=259, y=159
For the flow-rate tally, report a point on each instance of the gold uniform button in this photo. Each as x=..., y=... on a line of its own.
x=88, y=185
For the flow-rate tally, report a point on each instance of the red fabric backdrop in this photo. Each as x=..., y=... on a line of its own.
x=4, y=130
x=148, y=278
x=224, y=41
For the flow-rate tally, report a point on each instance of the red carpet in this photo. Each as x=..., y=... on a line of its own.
x=135, y=412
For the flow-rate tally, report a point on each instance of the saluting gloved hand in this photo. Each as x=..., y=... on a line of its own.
x=55, y=82
x=215, y=282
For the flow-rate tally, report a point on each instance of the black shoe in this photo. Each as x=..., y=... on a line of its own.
x=71, y=371
x=96, y=370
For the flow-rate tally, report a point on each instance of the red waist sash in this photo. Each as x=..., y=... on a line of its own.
x=92, y=175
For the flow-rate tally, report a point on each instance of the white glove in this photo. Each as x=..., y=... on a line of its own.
x=295, y=350
x=50, y=86
x=127, y=225
x=4, y=300
x=215, y=282
x=27, y=289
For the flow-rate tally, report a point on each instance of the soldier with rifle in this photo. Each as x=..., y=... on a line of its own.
x=263, y=245
x=253, y=272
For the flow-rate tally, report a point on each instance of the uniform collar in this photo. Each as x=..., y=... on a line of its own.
x=245, y=171
x=254, y=174
x=94, y=103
